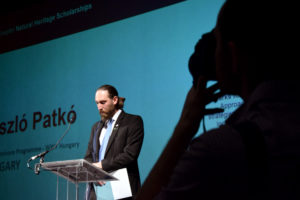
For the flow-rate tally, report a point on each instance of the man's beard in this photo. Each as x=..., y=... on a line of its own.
x=106, y=115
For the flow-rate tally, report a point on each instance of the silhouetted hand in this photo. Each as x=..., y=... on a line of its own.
x=192, y=113
x=194, y=106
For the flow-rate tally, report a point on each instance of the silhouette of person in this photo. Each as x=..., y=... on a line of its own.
x=256, y=153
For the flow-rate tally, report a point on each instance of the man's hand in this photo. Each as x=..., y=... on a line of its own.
x=98, y=164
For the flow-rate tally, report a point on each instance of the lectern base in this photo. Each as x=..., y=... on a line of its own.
x=66, y=190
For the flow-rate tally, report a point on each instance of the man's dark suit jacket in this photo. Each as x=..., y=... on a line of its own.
x=122, y=150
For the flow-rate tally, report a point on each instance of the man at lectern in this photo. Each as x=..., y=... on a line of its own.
x=116, y=140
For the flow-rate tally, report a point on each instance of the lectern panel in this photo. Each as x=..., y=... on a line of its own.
x=77, y=171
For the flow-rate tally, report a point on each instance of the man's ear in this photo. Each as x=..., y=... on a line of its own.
x=115, y=100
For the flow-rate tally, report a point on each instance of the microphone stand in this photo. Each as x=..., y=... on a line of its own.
x=42, y=155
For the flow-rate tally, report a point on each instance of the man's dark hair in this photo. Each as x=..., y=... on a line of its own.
x=112, y=91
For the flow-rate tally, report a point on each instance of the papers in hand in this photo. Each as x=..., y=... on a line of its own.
x=121, y=187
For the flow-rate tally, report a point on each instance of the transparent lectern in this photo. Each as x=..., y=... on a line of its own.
x=75, y=171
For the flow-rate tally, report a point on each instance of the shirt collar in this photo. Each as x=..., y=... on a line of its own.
x=116, y=115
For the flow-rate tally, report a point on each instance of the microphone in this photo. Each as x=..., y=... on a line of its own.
x=42, y=155
x=38, y=156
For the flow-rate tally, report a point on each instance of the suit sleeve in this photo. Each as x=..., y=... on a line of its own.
x=129, y=152
x=89, y=152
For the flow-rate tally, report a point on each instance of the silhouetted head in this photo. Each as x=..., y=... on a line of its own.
x=254, y=44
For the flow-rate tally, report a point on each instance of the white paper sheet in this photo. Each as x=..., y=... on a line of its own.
x=121, y=188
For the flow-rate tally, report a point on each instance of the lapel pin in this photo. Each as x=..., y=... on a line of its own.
x=116, y=127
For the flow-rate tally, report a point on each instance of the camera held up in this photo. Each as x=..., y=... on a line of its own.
x=202, y=61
